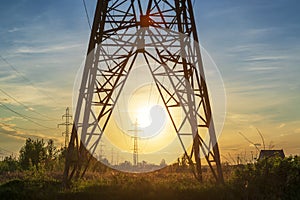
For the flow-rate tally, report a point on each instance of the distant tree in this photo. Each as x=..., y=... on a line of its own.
x=32, y=154
x=51, y=149
x=51, y=155
x=60, y=158
x=105, y=161
x=126, y=165
x=163, y=163
x=9, y=164
x=144, y=163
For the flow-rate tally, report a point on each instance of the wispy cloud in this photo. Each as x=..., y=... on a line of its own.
x=265, y=58
x=49, y=49
x=223, y=12
x=260, y=69
x=250, y=47
x=248, y=88
x=14, y=29
x=249, y=118
x=282, y=125
x=260, y=32
x=10, y=129
x=8, y=119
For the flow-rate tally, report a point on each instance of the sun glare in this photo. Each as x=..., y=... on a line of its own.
x=143, y=116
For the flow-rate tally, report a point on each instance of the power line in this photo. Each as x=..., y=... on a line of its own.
x=2, y=149
x=28, y=117
x=21, y=128
x=29, y=129
x=23, y=135
x=28, y=108
x=255, y=145
x=24, y=116
x=12, y=135
x=262, y=138
x=7, y=152
x=15, y=69
x=25, y=129
x=87, y=14
x=25, y=78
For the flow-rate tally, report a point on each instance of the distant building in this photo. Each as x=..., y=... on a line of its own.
x=271, y=153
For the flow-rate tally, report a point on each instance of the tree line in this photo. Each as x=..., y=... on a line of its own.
x=35, y=155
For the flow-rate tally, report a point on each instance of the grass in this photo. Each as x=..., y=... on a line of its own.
x=115, y=186
x=267, y=179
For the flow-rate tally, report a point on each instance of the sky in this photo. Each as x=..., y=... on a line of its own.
x=255, y=45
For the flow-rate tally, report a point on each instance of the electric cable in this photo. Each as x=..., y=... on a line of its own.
x=21, y=128
x=25, y=78
x=23, y=116
x=28, y=108
x=87, y=14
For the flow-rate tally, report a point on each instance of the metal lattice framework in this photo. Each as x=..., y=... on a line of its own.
x=154, y=31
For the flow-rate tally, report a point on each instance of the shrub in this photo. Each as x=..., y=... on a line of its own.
x=271, y=178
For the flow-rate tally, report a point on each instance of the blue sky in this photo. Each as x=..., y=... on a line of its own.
x=255, y=44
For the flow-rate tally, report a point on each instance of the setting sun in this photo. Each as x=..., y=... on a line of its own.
x=143, y=117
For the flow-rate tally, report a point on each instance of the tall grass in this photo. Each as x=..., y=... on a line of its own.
x=268, y=179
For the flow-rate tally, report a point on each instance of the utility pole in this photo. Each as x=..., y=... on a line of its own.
x=67, y=123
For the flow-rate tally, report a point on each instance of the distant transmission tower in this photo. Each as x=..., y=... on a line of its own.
x=127, y=32
x=67, y=123
x=101, y=154
x=112, y=157
x=135, y=150
x=135, y=137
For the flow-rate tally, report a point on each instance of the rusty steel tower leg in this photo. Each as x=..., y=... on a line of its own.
x=154, y=31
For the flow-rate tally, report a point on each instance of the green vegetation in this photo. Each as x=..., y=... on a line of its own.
x=272, y=178
x=35, y=155
x=37, y=174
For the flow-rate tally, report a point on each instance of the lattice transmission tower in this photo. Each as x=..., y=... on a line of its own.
x=163, y=32
x=67, y=124
x=135, y=137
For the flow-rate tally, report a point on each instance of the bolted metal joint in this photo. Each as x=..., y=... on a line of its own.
x=145, y=21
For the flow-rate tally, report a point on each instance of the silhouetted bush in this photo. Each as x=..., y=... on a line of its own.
x=271, y=178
